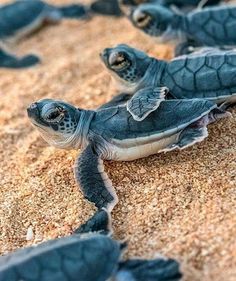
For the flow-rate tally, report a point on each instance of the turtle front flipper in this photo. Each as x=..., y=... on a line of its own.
x=100, y=222
x=94, y=182
x=160, y=269
x=145, y=101
x=9, y=61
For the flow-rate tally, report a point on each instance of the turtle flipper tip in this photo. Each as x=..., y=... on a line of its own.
x=29, y=60
x=145, y=101
x=156, y=269
x=100, y=222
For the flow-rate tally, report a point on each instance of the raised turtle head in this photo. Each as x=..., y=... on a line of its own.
x=57, y=122
x=154, y=20
x=127, y=65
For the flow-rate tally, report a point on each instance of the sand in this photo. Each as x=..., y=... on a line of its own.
x=179, y=204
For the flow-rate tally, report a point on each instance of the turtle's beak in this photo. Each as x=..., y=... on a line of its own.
x=104, y=55
x=33, y=111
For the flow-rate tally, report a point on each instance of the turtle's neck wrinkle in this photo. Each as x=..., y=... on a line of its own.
x=79, y=139
x=153, y=74
x=83, y=128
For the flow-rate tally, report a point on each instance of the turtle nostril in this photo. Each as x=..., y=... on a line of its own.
x=32, y=110
x=33, y=106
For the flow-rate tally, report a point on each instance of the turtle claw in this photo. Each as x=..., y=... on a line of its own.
x=145, y=101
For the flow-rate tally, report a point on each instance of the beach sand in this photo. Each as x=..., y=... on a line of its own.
x=180, y=204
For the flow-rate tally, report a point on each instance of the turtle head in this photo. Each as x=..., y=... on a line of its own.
x=57, y=121
x=127, y=65
x=152, y=19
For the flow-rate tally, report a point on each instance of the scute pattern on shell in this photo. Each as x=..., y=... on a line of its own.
x=63, y=259
x=212, y=26
x=206, y=75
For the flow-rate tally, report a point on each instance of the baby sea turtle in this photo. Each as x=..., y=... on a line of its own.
x=87, y=257
x=8, y=60
x=23, y=17
x=111, y=133
x=214, y=26
x=209, y=75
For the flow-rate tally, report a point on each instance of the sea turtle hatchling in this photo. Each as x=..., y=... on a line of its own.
x=112, y=133
x=22, y=17
x=85, y=257
x=212, y=26
x=8, y=60
x=210, y=75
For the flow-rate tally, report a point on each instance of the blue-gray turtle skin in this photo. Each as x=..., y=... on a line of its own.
x=22, y=17
x=209, y=75
x=211, y=26
x=88, y=257
x=8, y=60
x=118, y=124
x=18, y=15
x=71, y=258
x=113, y=133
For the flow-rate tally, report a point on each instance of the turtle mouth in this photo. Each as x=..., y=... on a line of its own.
x=115, y=60
x=141, y=19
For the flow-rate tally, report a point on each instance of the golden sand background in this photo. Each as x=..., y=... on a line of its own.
x=180, y=204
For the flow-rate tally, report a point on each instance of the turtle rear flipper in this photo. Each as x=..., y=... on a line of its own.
x=9, y=61
x=94, y=182
x=188, y=137
x=145, y=101
x=197, y=131
x=151, y=270
x=100, y=222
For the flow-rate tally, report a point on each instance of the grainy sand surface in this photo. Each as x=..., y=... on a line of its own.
x=179, y=204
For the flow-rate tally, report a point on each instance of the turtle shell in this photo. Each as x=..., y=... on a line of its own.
x=171, y=117
x=210, y=75
x=19, y=15
x=212, y=26
x=94, y=257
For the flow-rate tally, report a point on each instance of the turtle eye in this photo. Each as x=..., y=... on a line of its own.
x=56, y=114
x=118, y=61
x=141, y=19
